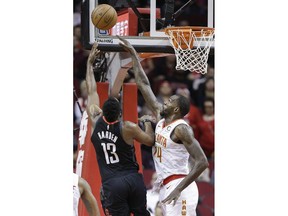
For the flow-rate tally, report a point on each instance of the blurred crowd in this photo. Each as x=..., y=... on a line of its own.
x=165, y=81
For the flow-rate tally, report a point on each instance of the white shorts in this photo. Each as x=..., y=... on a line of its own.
x=187, y=202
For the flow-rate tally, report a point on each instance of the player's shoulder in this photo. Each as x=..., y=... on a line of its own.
x=128, y=124
x=181, y=121
x=183, y=128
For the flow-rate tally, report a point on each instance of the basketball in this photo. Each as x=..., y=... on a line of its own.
x=104, y=17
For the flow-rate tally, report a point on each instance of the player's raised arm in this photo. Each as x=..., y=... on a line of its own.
x=93, y=109
x=88, y=198
x=141, y=79
x=185, y=134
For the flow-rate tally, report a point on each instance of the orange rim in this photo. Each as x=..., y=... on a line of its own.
x=198, y=31
x=193, y=28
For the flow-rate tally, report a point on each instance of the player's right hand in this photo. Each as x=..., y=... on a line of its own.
x=172, y=197
x=95, y=110
x=93, y=53
x=147, y=118
x=126, y=45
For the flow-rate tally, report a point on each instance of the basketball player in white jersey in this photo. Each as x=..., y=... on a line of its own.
x=174, y=144
x=81, y=189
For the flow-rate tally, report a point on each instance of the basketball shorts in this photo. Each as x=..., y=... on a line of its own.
x=123, y=195
x=186, y=203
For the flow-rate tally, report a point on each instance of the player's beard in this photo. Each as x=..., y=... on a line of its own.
x=163, y=113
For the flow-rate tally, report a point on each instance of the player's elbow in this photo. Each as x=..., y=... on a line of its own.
x=149, y=141
x=204, y=163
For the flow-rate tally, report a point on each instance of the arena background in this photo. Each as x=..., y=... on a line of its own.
x=165, y=81
x=36, y=160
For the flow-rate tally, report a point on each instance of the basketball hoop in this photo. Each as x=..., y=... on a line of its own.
x=192, y=46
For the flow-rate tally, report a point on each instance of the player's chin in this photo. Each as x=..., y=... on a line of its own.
x=163, y=114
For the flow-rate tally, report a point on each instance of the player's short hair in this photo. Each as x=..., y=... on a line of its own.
x=111, y=109
x=184, y=105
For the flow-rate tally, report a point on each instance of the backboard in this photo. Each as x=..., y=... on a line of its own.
x=142, y=23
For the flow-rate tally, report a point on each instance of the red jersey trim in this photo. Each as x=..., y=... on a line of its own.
x=109, y=123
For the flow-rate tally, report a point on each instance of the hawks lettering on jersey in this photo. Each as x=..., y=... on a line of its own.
x=169, y=157
x=161, y=140
x=158, y=150
x=158, y=153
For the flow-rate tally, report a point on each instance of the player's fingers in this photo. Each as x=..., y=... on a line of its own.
x=122, y=44
x=124, y=41
x=169, y=201
x=166, y=201
x=121, y=39
x=125, y=46
x=175, y=200
x=95, y=45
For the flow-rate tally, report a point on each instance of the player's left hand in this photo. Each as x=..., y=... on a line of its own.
x=173, y=196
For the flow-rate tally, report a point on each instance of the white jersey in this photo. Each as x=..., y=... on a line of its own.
x=169, y=157
x=76, y=194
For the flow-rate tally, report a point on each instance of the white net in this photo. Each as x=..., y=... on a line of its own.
x=191, y=47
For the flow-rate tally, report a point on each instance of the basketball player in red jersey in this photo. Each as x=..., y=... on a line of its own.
x=175, y=145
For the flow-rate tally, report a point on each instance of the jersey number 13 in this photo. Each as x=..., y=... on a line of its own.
x=110, y=149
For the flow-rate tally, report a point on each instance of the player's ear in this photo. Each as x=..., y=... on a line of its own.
x=176, y=109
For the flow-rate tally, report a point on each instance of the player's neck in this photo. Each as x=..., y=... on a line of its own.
x=171, y=118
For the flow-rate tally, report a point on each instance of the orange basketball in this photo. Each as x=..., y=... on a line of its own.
x=104, y=17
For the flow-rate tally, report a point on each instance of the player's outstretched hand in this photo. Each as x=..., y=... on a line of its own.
x=173, y=196
x=147, y=118
x=93, y=53
x=95, y=110
x=126, y=45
